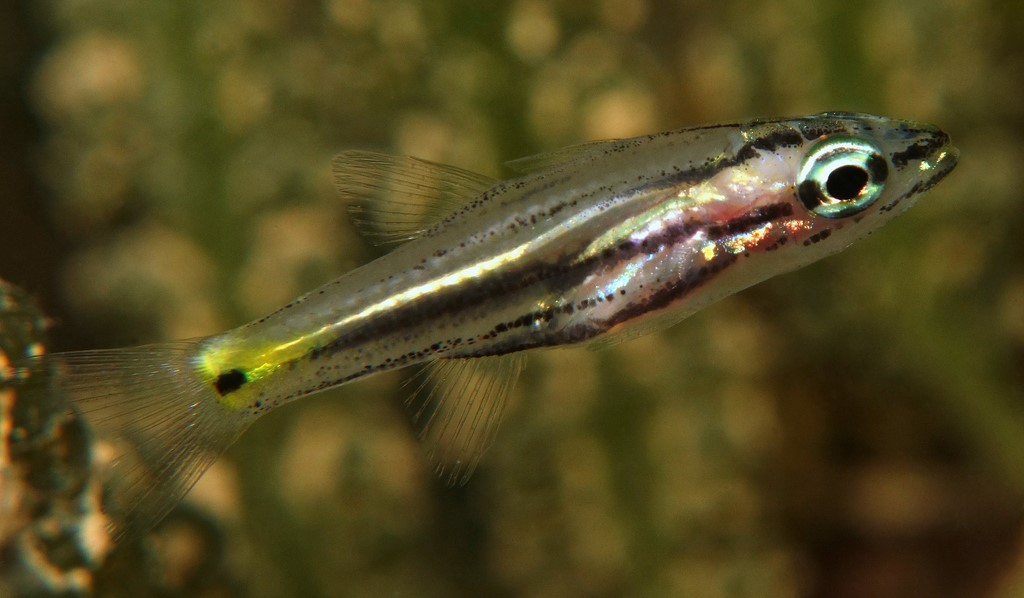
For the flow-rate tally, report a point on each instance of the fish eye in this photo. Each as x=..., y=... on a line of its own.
x=841, y=176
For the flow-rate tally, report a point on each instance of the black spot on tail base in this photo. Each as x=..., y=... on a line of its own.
x=229, y=381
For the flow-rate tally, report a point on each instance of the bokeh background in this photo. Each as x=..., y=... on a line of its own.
x=853, y=429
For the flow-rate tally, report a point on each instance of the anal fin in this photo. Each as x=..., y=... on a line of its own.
x=458, y=407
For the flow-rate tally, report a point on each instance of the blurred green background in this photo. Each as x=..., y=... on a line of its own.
x=853, y=429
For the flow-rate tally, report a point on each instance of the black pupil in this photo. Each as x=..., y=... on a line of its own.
x=846, y=182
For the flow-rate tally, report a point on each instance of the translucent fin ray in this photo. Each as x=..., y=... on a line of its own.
x=156, y=426
x=457, y=410
x=650, y=325
x=396, y=198
x=563, y=156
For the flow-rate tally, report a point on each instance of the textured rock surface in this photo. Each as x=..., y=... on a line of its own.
x=53, y=537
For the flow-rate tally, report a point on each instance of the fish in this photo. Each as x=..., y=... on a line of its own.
x=589, y=246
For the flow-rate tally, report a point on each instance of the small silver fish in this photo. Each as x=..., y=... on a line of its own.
x=590, y=244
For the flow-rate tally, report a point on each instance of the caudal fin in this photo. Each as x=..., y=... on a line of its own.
x=157, y=425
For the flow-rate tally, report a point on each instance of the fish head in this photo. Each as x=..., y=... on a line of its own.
x=835, y=176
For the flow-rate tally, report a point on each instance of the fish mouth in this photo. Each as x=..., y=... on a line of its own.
x=925, y=148
x=932, y=154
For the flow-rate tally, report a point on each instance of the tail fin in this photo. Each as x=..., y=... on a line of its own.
x=157, y=425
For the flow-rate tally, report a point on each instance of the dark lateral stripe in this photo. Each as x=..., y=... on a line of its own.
x=566, y=273
x=660, y=299
x=694, y=279
x=675, y=290
x=748, y=221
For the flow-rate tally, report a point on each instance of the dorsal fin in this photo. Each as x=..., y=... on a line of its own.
x=457, y=408
x=396, y=198
x=563, y=156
